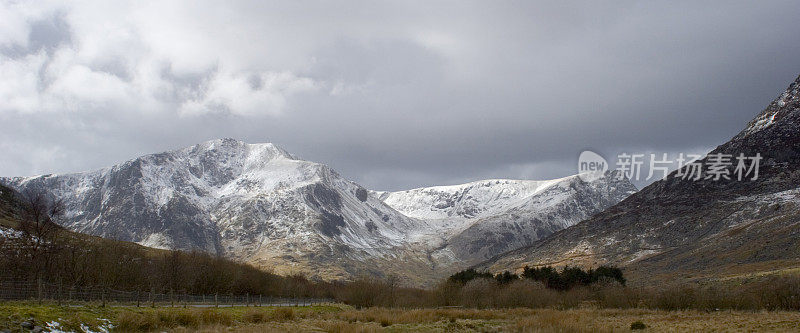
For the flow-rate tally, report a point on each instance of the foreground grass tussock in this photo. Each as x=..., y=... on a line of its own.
x=341, y=318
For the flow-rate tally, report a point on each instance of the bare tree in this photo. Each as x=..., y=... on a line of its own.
x=39, y=214
x=38, y=225
x=392, y=282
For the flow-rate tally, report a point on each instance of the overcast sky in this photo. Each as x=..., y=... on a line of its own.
x=393, y=95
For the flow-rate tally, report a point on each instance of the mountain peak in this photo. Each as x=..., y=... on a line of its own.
x=786, y=103
x=265, y=150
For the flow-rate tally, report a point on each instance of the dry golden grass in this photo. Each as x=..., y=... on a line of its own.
x=171, y=317
x=660, y=321
x=341, y=318
x=519, y=320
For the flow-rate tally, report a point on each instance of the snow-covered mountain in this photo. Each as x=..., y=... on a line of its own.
x=478, y=220
x=254, y=202
x=259, y=204
x=471, y=200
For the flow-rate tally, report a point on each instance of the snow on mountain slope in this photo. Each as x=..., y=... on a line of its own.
x=478, y=220
x=258, y=203
x=775, y=111
x=253, y=202
x=470, y=200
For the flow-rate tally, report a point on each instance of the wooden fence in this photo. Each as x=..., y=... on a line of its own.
x=40, y=291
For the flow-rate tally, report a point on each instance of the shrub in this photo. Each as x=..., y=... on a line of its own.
x=547, y=275
x=136, y=322
x=478, y=293
x=283, y=314
x=465, y=276
x=254, y=317
x=506, y=277
x=570, y=277
x=638, y=325
x=611, y=272
x=526, y=293
x=210, y=316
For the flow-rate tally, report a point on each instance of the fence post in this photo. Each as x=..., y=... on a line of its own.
x=259, y=300
x=39, y=289
x=60, y=291
x=137, y=299
x=216, y=300
x=103, y=297
x=171, y=298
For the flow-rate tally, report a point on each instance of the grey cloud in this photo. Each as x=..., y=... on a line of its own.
x=46, y=34
x=414, y=95
x=49, y=34
x=186, y=85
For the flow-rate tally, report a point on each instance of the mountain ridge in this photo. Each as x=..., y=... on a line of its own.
x=701, y=228
x=260, y=204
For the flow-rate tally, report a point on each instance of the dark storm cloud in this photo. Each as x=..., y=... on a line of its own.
x=391, y=94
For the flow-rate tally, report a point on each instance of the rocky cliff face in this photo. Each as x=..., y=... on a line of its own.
x=695, y=229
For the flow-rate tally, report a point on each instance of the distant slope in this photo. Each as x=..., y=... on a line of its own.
x=478, y=220
x=471, y=200
x=678, y=228
x=9, y=207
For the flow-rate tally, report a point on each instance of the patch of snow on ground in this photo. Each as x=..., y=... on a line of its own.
x=10, y=233
x=158, y=241
x=643, y=253
x=783, y=196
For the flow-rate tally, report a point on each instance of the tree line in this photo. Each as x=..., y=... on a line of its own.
x=566, y=279
x=42, y=251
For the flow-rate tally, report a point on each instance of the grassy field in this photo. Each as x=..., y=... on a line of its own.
x=341, y=318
